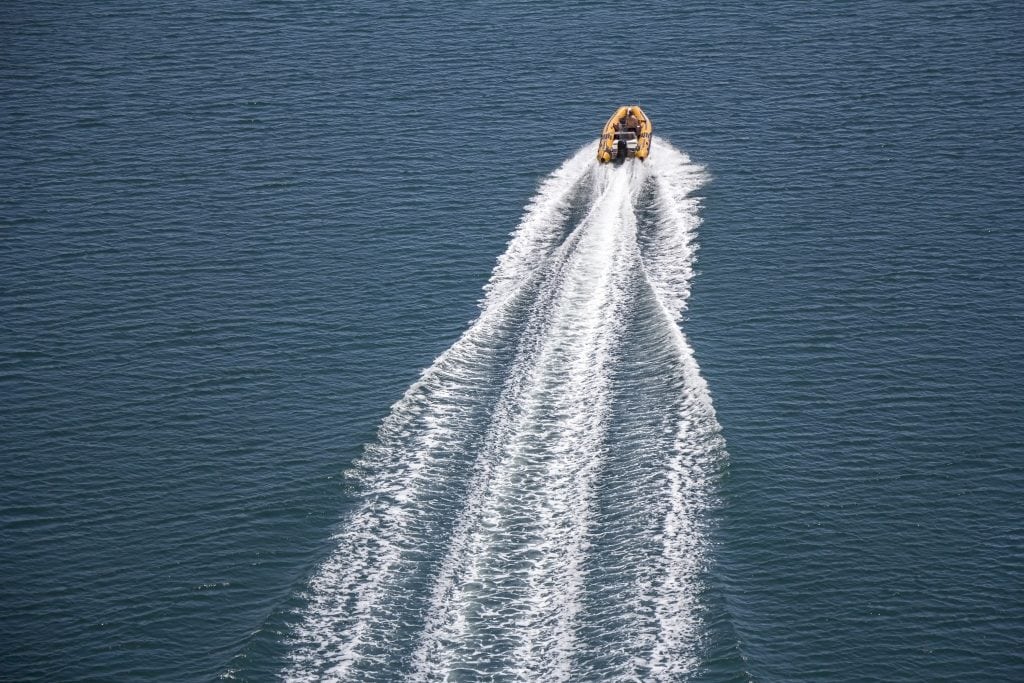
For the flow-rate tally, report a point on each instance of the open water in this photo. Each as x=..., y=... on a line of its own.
x=327, y=352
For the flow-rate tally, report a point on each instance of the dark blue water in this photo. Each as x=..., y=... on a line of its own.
x=233, y=236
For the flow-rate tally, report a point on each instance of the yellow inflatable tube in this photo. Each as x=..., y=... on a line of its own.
x=619, y=142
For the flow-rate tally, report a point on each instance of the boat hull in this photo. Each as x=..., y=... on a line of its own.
x=609, y=149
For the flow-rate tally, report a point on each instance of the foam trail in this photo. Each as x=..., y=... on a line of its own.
x=534, y=234
x=513, y=491
x=672, y=250
x=668, y=267
x=414, y=447
x=545, y=452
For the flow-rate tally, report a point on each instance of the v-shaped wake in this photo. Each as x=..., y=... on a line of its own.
x=535, y=506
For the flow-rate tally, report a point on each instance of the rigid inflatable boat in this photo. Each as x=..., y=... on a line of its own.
x=626, y=135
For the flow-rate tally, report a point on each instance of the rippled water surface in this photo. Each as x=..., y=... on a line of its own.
x=235, y=235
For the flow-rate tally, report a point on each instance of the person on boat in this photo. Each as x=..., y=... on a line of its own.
x=632, y=123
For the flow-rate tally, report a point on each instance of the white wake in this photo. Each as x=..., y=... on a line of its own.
x=521, y=518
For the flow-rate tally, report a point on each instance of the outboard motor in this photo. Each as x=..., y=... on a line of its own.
x=623, y=150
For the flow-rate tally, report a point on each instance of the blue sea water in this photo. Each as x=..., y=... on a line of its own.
x=234, y=235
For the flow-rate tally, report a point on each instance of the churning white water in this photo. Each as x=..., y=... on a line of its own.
x=535, y=506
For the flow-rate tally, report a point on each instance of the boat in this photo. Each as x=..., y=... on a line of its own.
x=627, y=135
